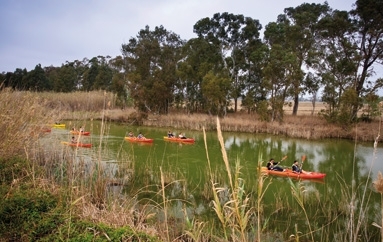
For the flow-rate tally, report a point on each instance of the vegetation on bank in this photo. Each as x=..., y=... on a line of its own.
x=310, y=50
x=48, y=196
x=308, y=124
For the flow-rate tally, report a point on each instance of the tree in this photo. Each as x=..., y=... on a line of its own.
x=199, y=58
x=215, y=89
x=36, y=80
x=336, y=62
x=235, y=35
x=368, y=20
x=151, y=63
x=298, y=30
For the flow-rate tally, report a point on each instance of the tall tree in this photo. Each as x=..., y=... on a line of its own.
x=299, y=33
x=336, y=62
x=151, y=63
x=200, y=57
x=368, y=19
x=235, y=35
x=36, y=80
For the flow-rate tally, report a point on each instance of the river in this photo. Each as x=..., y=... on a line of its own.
x=349, y=166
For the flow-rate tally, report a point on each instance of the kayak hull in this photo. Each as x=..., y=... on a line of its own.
x=86, y=133
x=290, y=173
x=58, y=125
x=137, y=140
x=84, y=145
x=175, y=139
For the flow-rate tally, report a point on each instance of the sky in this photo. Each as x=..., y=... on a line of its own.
x=50, y=33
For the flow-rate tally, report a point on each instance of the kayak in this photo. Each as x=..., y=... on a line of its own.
x=135, y=139
x=85, y=145
x=290, y=173
x=58, y=125
x=86, y=133
x=175, y=139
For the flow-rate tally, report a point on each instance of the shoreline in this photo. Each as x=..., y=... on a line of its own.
x=310, y=127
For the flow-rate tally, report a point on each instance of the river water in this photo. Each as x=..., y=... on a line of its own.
x=349, y=165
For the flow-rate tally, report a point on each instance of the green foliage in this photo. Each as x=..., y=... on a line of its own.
x=28, y=213
x=83, y=231
x=344, y=113
x=11, y=169
x=263, y=110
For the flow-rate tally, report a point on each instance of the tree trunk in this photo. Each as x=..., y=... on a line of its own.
x=296, y=103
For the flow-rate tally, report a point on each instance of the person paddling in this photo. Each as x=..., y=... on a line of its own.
x=273, y=165
x=170, y=134
x=295, y=167
x=298, y=169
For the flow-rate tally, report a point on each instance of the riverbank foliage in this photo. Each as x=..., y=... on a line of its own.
x=310, y=50
x=307, y=124
x=48, y=196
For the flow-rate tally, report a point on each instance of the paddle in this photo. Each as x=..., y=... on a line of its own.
x=284, y=158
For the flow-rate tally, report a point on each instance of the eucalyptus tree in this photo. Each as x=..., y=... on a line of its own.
x=297, y=33
x=278, y=75
x=368, y=37
x=151, y=62
x=36, y=80
x=118, y=84
x=15, y=79
x=215, y=88
x=351, y=44
x=104, y=76
x=337, y=61
x=90, y=74
x=235, y=35
x=199, y=58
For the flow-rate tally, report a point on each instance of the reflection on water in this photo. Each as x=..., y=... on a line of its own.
x=349, y=166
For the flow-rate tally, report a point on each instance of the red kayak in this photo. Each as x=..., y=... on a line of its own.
x=290, y=173
x=85, y=145
x=138, y=140
x=175, y=139
x=86, y=133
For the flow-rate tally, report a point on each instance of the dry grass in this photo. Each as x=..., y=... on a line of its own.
x=23, y=119
x=307, y=124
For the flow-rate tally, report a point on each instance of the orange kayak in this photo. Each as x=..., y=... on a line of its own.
x=86, y=133
x=135, y=139
x=85, y=145
x=175, y=139
x=290, y=173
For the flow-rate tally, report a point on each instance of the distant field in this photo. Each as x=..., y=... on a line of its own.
x=305, y=108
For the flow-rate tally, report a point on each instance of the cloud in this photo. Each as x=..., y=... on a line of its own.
x=52, y=32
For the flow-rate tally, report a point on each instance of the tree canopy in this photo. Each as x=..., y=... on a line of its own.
x=309, y=49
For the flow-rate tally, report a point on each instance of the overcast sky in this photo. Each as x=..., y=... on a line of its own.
x=49, y=32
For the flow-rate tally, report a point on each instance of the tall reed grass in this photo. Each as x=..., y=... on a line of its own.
x=24, y=118
x=86, y=186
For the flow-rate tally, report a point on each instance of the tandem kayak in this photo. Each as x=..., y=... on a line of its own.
x=175, y=139
x=86, y=133
x=290, y=173
x=84, y=145
x=135, y=139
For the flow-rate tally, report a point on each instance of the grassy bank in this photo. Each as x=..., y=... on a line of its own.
x=48, y=196
x=306, y=125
